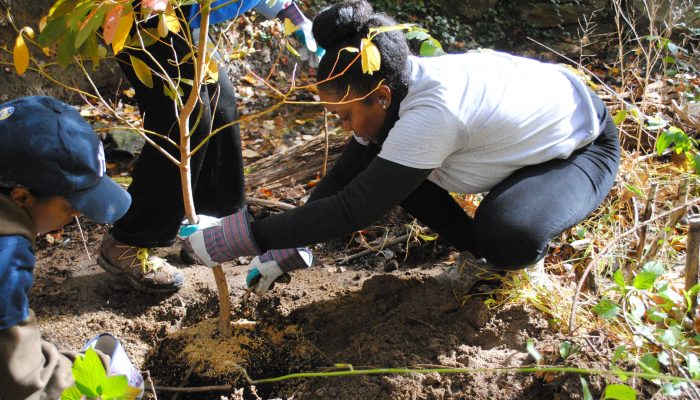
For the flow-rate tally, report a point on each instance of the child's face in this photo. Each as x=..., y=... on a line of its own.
x=49, y=213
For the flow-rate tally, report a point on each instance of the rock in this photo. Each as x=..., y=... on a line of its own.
x=124, y=144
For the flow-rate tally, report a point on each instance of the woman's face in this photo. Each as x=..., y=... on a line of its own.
x=49, y=213
x=363, y=117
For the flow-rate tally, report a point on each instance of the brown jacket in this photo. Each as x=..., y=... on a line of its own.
x=30, y=368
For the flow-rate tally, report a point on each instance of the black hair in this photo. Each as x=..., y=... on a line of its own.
x=345, y=25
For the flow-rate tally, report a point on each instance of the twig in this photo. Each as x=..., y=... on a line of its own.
x=188, y=374
x=648, y=212
x=82, y=237
x=675, y=217
x=269, y=203
x=691, y=258
x=326, y=147
x=363, y=253
x=151, y=385
x=607, y=248
x=198, y=389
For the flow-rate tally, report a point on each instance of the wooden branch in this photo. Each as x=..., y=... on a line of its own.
x=692, y=255
x=297, y=165
x=269, y=203
x=672, y=222
x=648, y=212
x=365, y=252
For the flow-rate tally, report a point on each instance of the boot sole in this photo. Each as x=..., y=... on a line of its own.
x=107, y=266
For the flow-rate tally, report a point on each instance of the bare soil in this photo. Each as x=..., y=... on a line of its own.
x=371, y=313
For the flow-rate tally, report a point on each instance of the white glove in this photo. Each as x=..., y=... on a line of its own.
x=265, y=270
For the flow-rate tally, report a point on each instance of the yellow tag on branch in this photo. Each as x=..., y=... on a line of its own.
x=371, y=59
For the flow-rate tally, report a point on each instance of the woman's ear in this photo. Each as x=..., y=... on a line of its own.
x=383, y=96
x=21, y=196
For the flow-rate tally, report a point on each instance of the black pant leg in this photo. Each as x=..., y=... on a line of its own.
x=157, y=207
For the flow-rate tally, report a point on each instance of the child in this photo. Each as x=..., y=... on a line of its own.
x=52, y=169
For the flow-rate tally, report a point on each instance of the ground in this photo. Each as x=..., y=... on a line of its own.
x=369, y=313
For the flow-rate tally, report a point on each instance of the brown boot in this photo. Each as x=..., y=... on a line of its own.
x=146, y=273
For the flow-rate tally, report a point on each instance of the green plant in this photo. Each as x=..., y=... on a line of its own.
x=650, y=311
x=92, y=382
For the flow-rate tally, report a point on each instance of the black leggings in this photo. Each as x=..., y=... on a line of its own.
x=517, y=219
x=157, y=206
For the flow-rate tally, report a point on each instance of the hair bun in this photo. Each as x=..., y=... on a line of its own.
x=338, y=24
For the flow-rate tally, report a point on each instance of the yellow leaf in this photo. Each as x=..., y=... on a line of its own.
x=162, y=27
x=371, y=59
x=21, y=55
x=289, y=27
x=212, y=71
x=171, y=20
x=42, y=23
x=122, y=32
x=47, y=51
x=293, y=50
x=142, y=71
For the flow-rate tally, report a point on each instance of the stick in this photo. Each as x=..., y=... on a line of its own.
x=363, y=253
x=648, y=212
x=199, y=389
x=692, y=256
x=673, y=221
x=269, y=203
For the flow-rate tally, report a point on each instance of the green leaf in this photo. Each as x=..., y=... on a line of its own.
x=644, y=280
x=606, y=309
x=89, y=373
x=52, y=32
x=71, y=393
x=619, y=279
x=417, y=34
x=649, y=363
x=620, y=392
x=115, y=387
x=533, y=351
x=663, y=141
x=671, y=389
x=93, y=23
x=565, y=349
x=431, y=48
x=66, y=48
x=586, y=391
x=639, y=192
x=654, y=267
x=142, y=71
x=693, y=365
x=620, y=117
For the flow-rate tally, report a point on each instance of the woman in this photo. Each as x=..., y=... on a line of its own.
x=530, y=134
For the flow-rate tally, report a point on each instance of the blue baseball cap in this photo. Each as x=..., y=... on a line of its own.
x=46, y=146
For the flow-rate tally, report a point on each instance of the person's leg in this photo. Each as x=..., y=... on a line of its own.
x=518, y=218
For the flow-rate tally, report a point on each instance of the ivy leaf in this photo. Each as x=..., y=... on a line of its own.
x=20, y=55
x=371, y=58
x=606, y=309
x=142, y=71
x=89, y=373
x=620, y=392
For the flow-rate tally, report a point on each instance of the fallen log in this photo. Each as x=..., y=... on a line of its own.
x=298, y=164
